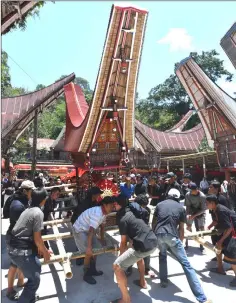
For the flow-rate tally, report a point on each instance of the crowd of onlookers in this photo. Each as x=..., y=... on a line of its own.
x=27, y=205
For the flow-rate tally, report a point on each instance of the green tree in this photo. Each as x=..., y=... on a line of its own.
x=5, y=75
x=170, y=100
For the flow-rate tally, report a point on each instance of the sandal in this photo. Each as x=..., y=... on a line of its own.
x=150, y=274
x=215, y=270
x=12, y=295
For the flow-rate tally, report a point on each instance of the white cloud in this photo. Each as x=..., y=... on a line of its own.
x=178, y=39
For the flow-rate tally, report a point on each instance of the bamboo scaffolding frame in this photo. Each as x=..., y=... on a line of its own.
x=60, y=245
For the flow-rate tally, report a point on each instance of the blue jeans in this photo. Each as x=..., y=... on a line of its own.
x=167, y=241
x=31, y=269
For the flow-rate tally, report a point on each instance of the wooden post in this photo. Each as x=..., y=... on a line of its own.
x=183, y=166
x=227, y=175
x=168, y=166
x=34, y=149
x=77, y=183
x=204, y=166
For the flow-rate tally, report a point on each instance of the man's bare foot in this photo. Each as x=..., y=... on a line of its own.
x=218, y=271
x=142, y=284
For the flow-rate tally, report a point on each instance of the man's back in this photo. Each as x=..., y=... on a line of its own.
x=136, y=229
x=169, y=214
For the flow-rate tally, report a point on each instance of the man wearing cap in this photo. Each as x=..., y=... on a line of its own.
x=187, y=178
x=168, y=225
x=84, y=231
x=127, y=189
x=195, y=202
x=140, y=188
x=172, y=183
x=15, y=205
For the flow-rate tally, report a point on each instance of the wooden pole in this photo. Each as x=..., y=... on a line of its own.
x=183, y=166
x=34, y=148
x=204, y=166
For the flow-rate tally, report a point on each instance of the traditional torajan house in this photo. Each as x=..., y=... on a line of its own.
x=103, y=135
x=12, y=11
x=216, y=110
x=228, y=43
x=18, y=112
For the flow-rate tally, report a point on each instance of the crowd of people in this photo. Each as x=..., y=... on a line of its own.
x=28, y=205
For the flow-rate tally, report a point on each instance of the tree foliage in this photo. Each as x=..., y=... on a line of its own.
x=21, y=23
x=168, y=102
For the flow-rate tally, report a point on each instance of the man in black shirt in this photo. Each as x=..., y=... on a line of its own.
x=140, y=187
x=168, y=226
x=225, y=221
x=172, y=183
x=214, y=189
x=144, y=244
x=154, y=190
x=48, y=208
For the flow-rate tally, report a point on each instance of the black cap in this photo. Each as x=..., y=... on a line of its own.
x=170, y=175
x=193, y=185
x=188, y=176
x=95, y=190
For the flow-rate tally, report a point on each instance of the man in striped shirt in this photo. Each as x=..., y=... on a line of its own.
x=84, y=230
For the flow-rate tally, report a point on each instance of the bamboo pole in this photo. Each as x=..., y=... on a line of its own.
x=55, y=222
x=190, y=235
x=65, y=235
x=78, y=255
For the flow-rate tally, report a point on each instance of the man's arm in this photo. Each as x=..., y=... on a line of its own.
x=40, y=244
x=181, y=231
x=226, y=233
x=123, y=244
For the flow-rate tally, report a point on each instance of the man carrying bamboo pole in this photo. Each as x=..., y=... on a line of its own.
x=225, y=221
x=144, y=244
x=168, y=225
x=84, y=231
x=25, y=240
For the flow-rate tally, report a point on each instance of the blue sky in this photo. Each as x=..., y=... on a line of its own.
x=69, y=37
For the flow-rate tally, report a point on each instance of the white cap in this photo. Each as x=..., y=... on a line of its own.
x=132, y=176
x=41, y=175
x=173, y=192
x=27, y=184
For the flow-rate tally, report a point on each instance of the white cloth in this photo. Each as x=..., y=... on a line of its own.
x=93, y=217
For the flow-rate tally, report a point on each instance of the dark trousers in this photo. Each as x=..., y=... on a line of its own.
x=147, y=263
x=31, y=268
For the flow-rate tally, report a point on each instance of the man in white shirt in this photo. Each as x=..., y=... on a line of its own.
x=84, y=230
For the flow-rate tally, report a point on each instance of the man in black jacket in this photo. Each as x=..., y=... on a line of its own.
x=144, y=244
x=172, y=183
